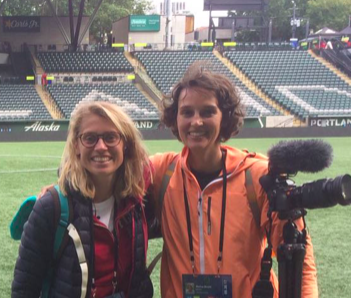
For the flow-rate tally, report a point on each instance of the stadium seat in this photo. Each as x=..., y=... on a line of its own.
x=276, y=72
x=158, y=65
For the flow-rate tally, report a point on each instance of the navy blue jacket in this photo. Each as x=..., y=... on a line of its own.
x=36, y=253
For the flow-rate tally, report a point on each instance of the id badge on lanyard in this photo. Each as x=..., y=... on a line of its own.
x=207, y=286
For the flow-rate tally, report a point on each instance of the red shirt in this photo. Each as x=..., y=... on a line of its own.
x=105, y=258
x=105, y=250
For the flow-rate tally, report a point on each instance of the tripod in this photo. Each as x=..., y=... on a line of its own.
x=290, y=261
x=291, y=254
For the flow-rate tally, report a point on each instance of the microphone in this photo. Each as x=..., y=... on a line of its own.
x=290, y=157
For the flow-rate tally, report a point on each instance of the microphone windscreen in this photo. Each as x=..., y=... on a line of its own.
x=309, y=156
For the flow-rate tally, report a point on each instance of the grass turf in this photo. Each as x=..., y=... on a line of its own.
x=26, y=167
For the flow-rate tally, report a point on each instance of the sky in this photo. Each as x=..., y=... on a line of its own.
x=196, y=7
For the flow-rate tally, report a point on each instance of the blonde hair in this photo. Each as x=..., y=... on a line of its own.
x=130, y=175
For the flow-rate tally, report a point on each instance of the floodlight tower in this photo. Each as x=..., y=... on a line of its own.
x=294, y=19
x=168, y=13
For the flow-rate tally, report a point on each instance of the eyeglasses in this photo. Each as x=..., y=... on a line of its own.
x=90, y=139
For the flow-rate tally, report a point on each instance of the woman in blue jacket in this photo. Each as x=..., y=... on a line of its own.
x=104, y=174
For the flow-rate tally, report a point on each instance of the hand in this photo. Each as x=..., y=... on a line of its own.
x=44, y=190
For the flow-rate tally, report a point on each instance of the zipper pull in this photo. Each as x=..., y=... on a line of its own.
x=209, y=216
x=209, y=228
x=199, y=206
x=93, y=288
x=114, y=281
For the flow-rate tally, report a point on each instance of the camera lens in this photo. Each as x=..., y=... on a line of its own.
x=346, y=190
x=339, y=189
x=322, y=193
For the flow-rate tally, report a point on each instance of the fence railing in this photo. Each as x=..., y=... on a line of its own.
x=187, y=46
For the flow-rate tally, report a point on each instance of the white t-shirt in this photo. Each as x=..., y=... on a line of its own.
x=104, y=212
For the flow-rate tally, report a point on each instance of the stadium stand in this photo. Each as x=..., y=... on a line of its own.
x=296, y=81
x=21, y=102
x=166, y=68
x=84, y=62
x=126, y=95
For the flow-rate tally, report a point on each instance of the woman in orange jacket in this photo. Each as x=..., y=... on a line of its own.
x=212, y=244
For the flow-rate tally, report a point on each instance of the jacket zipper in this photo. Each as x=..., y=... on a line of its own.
x=201, y=234
x=200, y=214
x=201, y=230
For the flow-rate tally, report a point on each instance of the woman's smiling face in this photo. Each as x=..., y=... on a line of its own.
x=199, y=120
x=101, y=161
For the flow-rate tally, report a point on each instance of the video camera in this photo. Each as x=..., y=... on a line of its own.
x=310, y=156
x=286, y=159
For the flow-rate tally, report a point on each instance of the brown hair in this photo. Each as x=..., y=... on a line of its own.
x=223, y=89
x=130, y=176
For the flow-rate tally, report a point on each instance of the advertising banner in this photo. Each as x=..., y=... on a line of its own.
x=139, y=23
x=329, y=121
x=22, y=24
x=59, y=125
x=34, y=126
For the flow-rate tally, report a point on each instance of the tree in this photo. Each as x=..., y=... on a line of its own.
x=109, y=12
x=247, y=35
x=327, y=13
x=281, y=13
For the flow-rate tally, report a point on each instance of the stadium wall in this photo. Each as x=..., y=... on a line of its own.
x=152, y=131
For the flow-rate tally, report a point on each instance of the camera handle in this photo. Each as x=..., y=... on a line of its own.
x=291, y=255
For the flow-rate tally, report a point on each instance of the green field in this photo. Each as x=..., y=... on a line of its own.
x=26, y=167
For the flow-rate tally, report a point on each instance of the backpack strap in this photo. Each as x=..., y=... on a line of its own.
x=66, y=230
x=62, y=217
x=62, y=221
x=154, y=262
x=73, y=233
x=165, y=180
x=252, y=199
x=164, y=184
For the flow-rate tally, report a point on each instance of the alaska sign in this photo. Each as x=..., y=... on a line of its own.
x=61, y=125
x=38, y=126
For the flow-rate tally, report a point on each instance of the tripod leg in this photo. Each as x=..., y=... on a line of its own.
x=299, y=256
x=284, y=269
x=290, y=259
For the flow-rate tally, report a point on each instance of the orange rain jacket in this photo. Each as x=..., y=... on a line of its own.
x=244, y=243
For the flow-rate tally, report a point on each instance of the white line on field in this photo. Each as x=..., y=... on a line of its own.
x=29, y=171
x=32, y=156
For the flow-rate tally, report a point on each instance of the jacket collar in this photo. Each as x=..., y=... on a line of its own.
x=236, y=160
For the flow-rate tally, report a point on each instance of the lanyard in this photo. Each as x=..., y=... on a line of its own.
x=188, y=219
x=115, y=267
x=115, y=245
